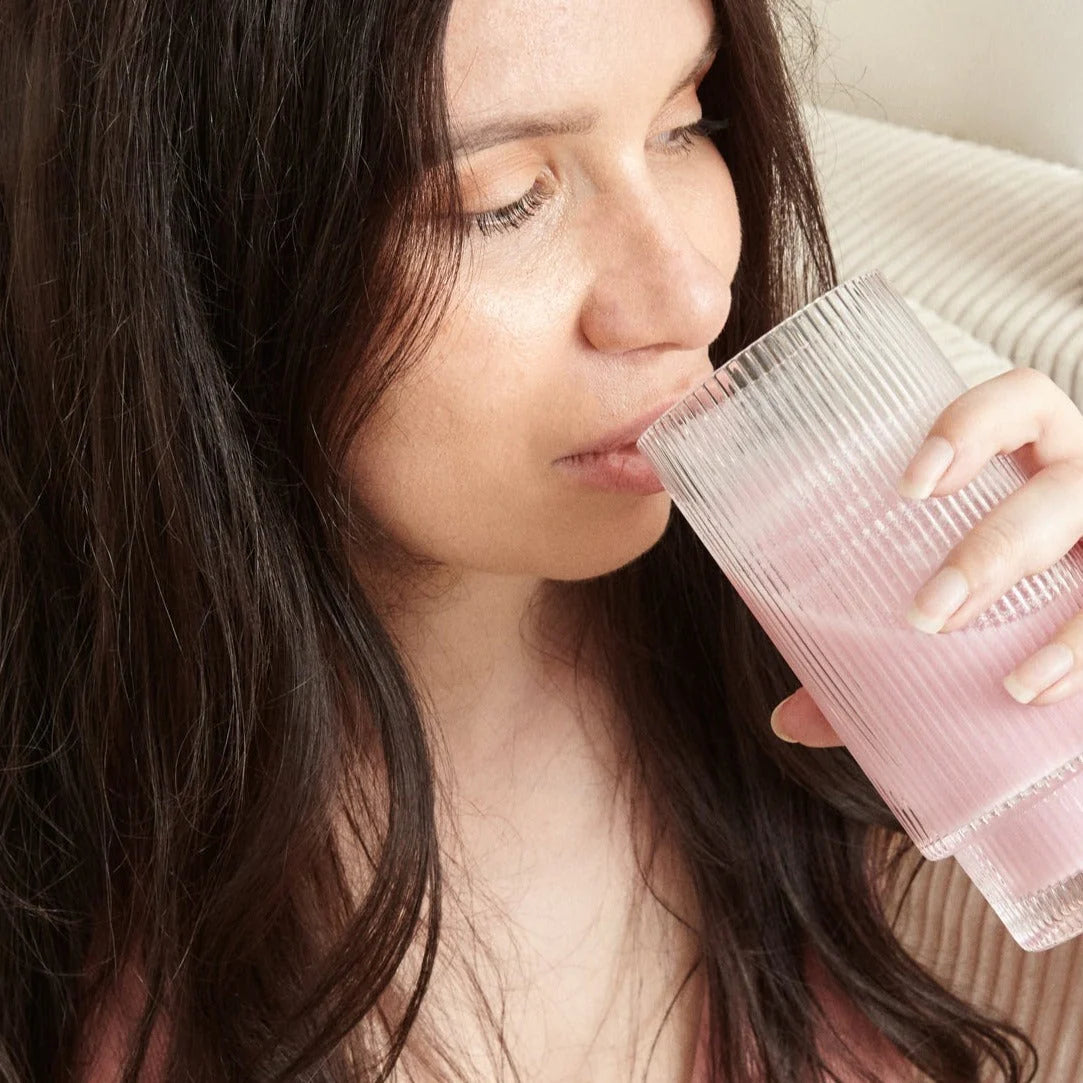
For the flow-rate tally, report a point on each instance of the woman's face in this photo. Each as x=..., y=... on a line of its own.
x=589, y=305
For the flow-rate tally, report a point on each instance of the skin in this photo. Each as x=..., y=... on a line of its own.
x=590, y=313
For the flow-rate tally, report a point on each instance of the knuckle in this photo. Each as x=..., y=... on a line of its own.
x=1026, y=376
x=951, y=422
x=995, y=548
x=1072, y=636
x=1070, y=472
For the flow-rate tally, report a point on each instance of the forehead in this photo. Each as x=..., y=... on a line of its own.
x=564, y=53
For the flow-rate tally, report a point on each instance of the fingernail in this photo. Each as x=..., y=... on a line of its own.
x=926, y=468
x=938, y=600
x=1039, y=671
x=774, y=721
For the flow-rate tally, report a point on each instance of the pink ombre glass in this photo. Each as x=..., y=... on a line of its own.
x=785, y=464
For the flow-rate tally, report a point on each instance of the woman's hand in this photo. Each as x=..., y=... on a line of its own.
x=1019, y=411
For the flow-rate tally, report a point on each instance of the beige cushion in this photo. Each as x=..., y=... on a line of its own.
x=988, y=240
x=947, y=926
x=945, y=922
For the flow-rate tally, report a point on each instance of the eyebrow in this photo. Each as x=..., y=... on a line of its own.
x=508, y=129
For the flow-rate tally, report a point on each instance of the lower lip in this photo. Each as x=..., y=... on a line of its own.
x=622, y=470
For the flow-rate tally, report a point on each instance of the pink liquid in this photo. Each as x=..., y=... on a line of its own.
x=926, y=717
x=937, y=733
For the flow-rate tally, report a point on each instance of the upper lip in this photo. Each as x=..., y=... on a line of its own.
x=629, y=433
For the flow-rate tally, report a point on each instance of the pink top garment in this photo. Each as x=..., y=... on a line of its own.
x=879, y=1055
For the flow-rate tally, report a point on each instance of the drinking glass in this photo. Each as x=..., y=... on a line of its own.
x=785, y=464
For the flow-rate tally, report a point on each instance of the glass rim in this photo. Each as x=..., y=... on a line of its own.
x=874, y=276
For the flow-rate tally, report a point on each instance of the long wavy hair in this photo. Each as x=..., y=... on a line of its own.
x=225, y=229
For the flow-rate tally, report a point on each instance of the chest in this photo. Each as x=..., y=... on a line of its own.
x=557, y=957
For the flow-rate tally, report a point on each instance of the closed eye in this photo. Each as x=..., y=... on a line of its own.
x=680, y=141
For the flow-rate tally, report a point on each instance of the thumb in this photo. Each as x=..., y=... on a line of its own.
x=798, y=720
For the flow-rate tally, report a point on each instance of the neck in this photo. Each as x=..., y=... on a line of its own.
x=503, y=663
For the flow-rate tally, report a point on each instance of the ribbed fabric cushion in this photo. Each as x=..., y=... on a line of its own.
x=947, y=926
x=989, y=240
x=945, y=922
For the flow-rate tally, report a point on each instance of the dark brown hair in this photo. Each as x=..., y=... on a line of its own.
x=222, y=236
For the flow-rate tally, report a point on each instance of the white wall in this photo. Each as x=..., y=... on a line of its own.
x=1004, y=72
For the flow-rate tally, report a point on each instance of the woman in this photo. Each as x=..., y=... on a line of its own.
x=353, y=732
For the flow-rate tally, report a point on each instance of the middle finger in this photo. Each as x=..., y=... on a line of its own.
x=1027, y=532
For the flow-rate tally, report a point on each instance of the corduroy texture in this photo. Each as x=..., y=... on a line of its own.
x=948, y=927
x=989, y=240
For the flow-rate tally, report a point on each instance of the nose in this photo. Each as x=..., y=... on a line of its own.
x=652, y=287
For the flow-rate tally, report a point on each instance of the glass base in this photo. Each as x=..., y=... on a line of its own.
x=1028, y=863
x=938, y=846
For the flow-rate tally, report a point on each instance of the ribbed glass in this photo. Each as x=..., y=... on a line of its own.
x=785, y=463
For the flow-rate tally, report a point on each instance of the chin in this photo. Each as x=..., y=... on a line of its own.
x=612, y=537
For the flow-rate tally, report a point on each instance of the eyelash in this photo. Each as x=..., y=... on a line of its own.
x=515, y=214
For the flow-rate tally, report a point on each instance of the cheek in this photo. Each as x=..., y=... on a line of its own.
x=445, y=464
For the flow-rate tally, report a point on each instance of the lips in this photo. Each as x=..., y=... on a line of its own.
x=628, y=434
